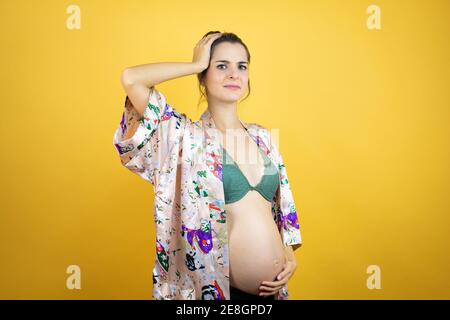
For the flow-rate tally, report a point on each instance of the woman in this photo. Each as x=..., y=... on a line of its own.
x=225, y=228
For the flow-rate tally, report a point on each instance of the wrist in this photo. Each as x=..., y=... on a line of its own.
x=199, y=67
x=289, y=253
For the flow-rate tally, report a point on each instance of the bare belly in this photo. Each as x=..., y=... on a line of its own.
x=255, y=247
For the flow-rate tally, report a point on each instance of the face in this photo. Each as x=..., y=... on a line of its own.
x=228, y=66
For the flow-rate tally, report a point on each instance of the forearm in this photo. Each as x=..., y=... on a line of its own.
x=289, y=253
x=154, y=73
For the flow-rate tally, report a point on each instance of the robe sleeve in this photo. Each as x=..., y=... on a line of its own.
x=287, y=216
x=144, y=143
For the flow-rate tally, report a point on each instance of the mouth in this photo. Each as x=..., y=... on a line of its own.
x=232, y=87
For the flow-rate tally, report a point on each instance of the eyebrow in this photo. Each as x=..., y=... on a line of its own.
x=226, y=61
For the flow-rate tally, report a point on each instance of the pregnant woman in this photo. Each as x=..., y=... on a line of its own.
x=226, y=223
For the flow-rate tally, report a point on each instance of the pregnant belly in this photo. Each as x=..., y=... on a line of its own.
x=255, y=248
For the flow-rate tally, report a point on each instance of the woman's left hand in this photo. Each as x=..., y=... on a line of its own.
x=268, y=288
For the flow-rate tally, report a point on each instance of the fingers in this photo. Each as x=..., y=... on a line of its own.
x=282, y=277
x=209, y=37
x=271, y=289
x=269, y=293
x=266, y=291
x=283, y=273
x=288, y=269
x=212, y=35
x=274, y=284
x=268, y=288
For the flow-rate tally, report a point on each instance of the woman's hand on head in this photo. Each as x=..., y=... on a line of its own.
x=202, y=50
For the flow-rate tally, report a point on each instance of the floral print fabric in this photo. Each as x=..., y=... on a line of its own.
x=182, y=159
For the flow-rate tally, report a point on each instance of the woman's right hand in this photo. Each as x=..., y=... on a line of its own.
x=202, y=50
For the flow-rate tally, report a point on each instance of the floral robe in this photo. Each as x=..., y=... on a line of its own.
x=182, y=159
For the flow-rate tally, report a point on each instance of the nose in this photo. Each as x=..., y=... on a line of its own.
x=233, y=73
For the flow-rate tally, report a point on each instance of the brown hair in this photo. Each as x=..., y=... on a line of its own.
x=225, y=37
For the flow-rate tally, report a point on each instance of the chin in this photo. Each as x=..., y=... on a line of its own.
x=232, y=99
x=228, y=97
x=232, y=95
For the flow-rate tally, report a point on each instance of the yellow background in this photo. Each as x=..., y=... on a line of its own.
x=363, y=117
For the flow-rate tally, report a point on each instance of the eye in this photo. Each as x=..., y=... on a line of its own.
x=244, y=67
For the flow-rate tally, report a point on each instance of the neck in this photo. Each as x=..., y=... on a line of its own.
x=225, y=116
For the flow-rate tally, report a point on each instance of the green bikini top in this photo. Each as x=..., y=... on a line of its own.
x=236, y=185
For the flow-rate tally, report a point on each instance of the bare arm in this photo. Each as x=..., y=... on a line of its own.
x=289, y=253
x=138, y=80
